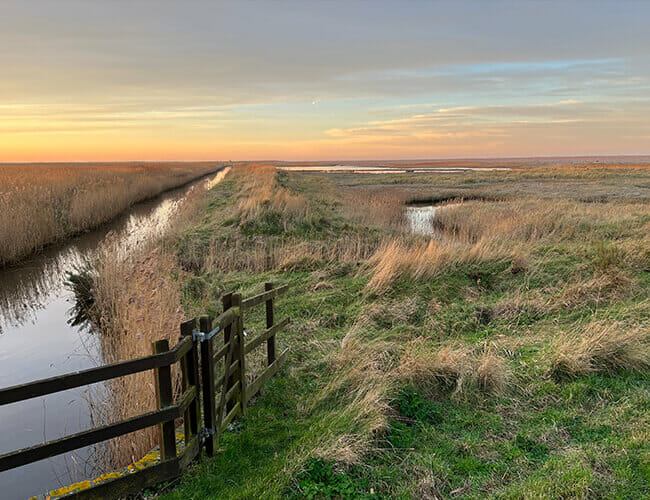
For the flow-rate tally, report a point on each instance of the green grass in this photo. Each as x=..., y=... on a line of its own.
x=586, y=437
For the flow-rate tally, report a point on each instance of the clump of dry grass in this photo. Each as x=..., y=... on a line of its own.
x=448, y=368
x=401, y=257
x=360, y=372
x=600, y=347
x=388, y=314
x=45, y=203
x=383, y=207
x=258, y=190
x=454, y=369
x=493, y=373
x=611, y=285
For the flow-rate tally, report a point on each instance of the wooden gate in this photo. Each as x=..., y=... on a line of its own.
x=227, y=394
x=223, y=397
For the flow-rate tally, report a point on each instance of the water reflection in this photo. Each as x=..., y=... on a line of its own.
x=421, y=219
x=26, y=290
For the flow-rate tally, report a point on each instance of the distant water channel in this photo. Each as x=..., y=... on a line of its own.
x=37, y=341
x=421, y=217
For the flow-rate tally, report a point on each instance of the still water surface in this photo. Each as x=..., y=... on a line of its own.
x=421, y=217
x=38, y=341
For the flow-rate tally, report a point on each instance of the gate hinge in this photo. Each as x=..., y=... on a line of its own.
x=202, y=337
x=205, y=433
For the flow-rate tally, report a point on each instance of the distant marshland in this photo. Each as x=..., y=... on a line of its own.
x=44, y=203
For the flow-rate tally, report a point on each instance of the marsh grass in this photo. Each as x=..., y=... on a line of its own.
x=479, y=231
x=506, y=359
x=42, y=204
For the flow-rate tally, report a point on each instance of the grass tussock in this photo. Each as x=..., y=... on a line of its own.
x=260, y=192
x=601, y=347
x=452, y=369
x=45, y=203
x=612, y=285
x=361, y=377
x=421, y=260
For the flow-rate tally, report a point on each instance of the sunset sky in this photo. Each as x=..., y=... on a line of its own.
x=118, y=80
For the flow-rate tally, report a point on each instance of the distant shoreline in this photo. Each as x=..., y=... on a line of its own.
x=622, y=159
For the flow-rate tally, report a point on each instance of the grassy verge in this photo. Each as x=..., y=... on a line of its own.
x=508, y=360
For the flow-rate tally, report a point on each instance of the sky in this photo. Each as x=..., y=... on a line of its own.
x=322, y=80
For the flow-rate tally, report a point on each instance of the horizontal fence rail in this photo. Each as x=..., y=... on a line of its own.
x=92, y=375
x=94, y=436
x=223, y=397
x=264, y=297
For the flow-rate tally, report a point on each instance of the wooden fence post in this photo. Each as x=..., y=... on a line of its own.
x=207, y=372
x=240, y=352
x=226, y=300
x=190, y=369
x=270, y=343
x=165, y=397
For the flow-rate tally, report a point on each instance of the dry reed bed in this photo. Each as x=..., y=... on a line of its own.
x=477, y=231
x=139, y=303
x=259, y=191
x=383, y=207
x=45, y=203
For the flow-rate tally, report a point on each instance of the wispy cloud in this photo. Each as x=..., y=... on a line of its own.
x=256, y=80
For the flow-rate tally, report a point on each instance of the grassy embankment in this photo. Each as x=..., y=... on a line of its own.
x=508, y=360
x=41, y=204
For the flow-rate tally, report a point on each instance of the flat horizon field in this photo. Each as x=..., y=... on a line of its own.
x=503, y=355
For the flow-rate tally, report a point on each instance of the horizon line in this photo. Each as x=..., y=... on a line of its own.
x=401, y=159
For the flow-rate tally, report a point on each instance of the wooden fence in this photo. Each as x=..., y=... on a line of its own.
x=223, y=397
